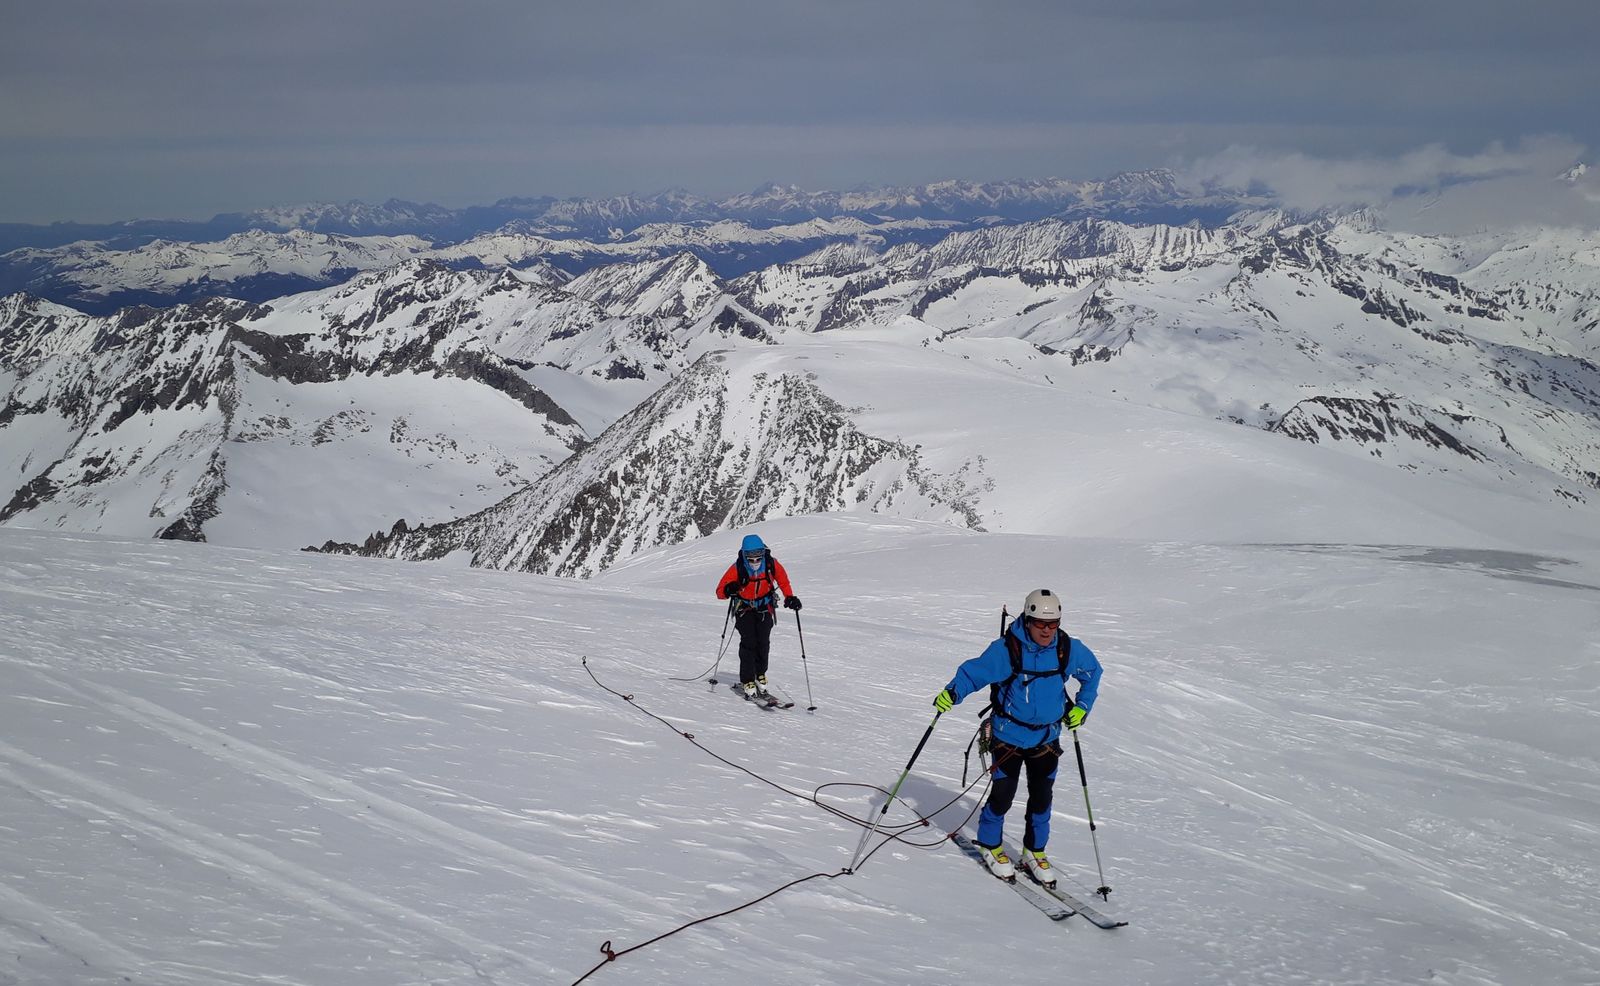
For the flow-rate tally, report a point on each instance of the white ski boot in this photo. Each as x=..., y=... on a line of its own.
x=761, y=685
x=750, y=692
x=999, y=863
x=1038, y=867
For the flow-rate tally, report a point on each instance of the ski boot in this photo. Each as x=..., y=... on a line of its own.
x=999, y=863
x=1038, y=867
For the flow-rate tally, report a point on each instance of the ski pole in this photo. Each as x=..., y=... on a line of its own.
x=811, y=704
x=722, y=642
x=722, y=648
x=896, y=789
x=1103, y=890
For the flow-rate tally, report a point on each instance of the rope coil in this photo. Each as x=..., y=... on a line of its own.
x=892, y=834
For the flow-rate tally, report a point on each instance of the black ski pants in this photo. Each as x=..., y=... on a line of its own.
x=1040, y=765
x=755, y=641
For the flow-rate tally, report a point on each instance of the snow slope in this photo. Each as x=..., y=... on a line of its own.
x=1331, y=763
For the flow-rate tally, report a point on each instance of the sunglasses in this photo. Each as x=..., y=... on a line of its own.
x=1046, y=624
x=754, y=557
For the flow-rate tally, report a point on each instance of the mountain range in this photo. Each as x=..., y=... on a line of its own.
x=1149, y=195
x=268, y=253
x=558, y=405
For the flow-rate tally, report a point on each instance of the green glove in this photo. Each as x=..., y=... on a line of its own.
x=1075, y=717
x=944, y=700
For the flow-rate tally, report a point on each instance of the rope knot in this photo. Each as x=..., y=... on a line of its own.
x=606, y=949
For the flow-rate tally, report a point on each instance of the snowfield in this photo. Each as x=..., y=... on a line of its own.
x=1310, y=763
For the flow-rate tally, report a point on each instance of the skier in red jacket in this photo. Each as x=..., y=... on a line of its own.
x=753, y=582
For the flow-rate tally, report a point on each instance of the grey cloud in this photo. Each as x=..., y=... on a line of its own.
x=527, y=97
x=1427, y=189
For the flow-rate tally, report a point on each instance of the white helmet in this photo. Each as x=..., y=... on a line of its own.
x=1042, y=604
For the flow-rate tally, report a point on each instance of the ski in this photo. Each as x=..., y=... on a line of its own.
x=1094, y=917
x=1055, y=910
x=762, y=701
x=780, y=697
x=1091, y=915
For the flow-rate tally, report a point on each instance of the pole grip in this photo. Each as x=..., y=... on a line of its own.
x=1076, y=748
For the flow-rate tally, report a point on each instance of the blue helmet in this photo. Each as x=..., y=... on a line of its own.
x=754, y=554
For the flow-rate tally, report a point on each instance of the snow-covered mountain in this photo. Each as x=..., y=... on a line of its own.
x=1138, y=195
x=1473, y=353
x=96, y=277
x=109, y=267
x=203, y=422
x=629, y=321
x=100, y=278
x=1471, y=359
x=728, y=443
x=1152, y=195
x=393, y=217
x=418, y=391
x=980, y=437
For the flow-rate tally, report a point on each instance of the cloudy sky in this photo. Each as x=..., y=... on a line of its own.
x=185, y=108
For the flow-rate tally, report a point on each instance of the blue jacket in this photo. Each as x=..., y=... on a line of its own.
x=1042, y=700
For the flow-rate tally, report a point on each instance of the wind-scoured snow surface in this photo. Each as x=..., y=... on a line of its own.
x=1310, y=763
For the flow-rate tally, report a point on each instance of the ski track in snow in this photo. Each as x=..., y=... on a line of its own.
x=229, y=766
x=331, y=899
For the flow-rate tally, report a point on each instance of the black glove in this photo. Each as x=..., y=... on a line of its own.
x=731, y=589
x=793, y=602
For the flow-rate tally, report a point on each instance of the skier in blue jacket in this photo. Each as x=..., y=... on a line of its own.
x=1029, y=665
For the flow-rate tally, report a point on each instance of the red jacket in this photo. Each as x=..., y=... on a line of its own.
x=757, y=589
